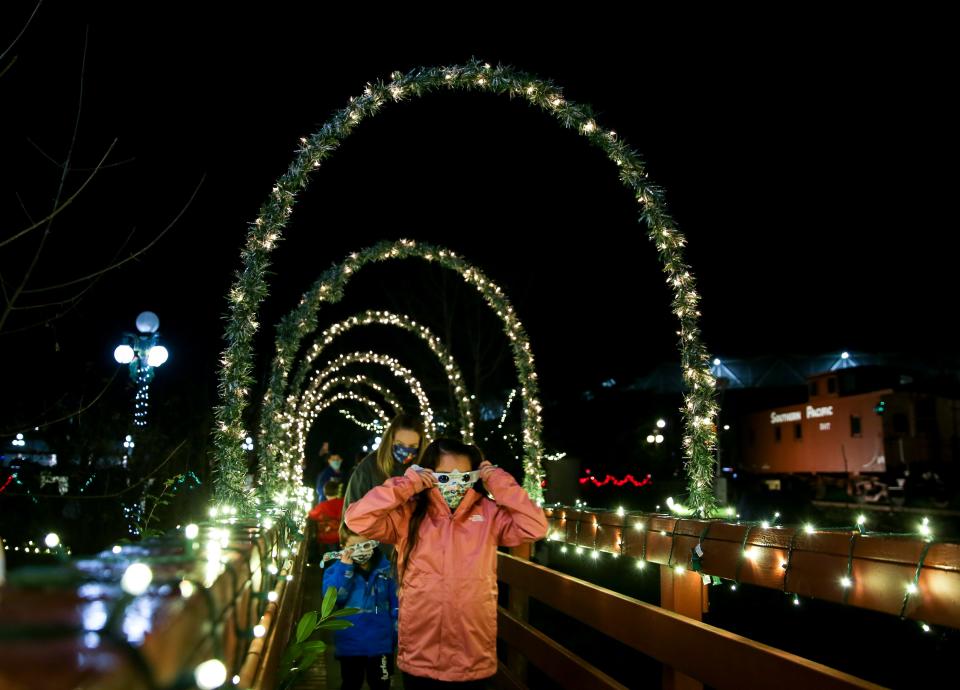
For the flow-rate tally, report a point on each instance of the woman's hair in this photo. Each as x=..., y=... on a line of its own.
x=333, y=488
x=385, y=461
x=429, y=460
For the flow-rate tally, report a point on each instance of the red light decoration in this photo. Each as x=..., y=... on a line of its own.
x=610, y=479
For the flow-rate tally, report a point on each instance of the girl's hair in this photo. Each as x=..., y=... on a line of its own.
x=346, y=533
x=429, y=460
x=385, y=461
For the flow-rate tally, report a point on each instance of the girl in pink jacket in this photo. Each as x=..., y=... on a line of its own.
x=447, y=532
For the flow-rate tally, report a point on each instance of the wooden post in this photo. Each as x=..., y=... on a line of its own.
x=518, y=603
x=682, y=593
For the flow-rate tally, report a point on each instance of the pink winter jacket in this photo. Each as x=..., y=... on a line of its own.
x=448, y=598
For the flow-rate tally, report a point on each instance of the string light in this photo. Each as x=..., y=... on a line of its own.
x=136, y=579
x=210, y=674
x=610, y=479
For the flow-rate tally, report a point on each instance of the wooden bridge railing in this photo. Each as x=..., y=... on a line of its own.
x=694, y=652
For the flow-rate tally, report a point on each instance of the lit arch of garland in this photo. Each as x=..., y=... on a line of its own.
x=322, y=405
x=360, y=381
x=270, y=418
x=374, y=426
x=330, y=288
x=250, y=287
x=301, y=417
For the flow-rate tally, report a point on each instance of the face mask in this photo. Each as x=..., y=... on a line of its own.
x=362, y=558
x=360, y=553
x=453, y=495
x=335, y=464
x=454, y=485
x=402, y=453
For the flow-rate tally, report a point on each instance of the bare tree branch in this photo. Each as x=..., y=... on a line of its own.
x=56, y=200
x=83, y=408
x=58, y=209
x=75, y=168
x=22, y=32
x=132, y=256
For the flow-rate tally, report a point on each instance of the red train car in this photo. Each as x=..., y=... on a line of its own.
x=853, y=422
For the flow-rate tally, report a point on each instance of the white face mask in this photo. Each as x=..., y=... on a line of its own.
x=359, y=553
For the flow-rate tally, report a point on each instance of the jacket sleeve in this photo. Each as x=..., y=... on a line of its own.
x=340, y=576
x=383, y=513
x=518, y=519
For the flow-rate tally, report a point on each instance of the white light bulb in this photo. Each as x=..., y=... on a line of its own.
x=661, y=423
x=210, y=674
x=236, y=680
x=925, y=627
x=765, y=524
x=658, y=438
x=751, y=553
x=808, y=528
x=595, y=555
x=116, y=549
x=272, y=569
x=259, y=631
x=846, y=582
x=641, y=565
x=136, y=579
x=191, y=531
x=157, y=355
x=861, y=519
x=911, y=588
x=123, y=354
x=620, y=511
x=272, y=596
x=186, y=589
x=52, y=540
x=679, y=570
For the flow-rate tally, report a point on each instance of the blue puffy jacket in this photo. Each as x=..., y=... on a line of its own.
x=375, y=593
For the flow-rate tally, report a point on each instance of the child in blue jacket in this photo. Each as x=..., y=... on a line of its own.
x=363, y=579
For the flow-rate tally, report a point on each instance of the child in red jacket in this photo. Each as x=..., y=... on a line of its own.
x=327, y=514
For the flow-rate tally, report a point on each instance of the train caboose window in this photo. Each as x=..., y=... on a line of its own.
x=901, y=424
x=831, y=385
x=814, y=388
x=776, y=434
x=797, y=431
x=854, y=425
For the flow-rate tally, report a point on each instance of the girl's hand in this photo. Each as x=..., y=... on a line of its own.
x=345, y=558
x=420, y=479
x=486, y=469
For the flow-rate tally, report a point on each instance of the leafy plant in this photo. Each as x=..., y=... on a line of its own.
x=304, y=652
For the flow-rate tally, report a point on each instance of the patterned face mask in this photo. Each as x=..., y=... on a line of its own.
x=453, y=494
x=360, y=553
x=402, y=453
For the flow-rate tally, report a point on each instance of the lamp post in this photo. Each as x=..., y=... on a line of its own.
x=143, y=353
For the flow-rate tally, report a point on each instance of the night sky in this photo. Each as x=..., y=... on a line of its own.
x=808, y=169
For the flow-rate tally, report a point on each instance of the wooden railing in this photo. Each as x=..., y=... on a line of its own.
x=908, y=576
x=692, y=652
x=74, y=627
